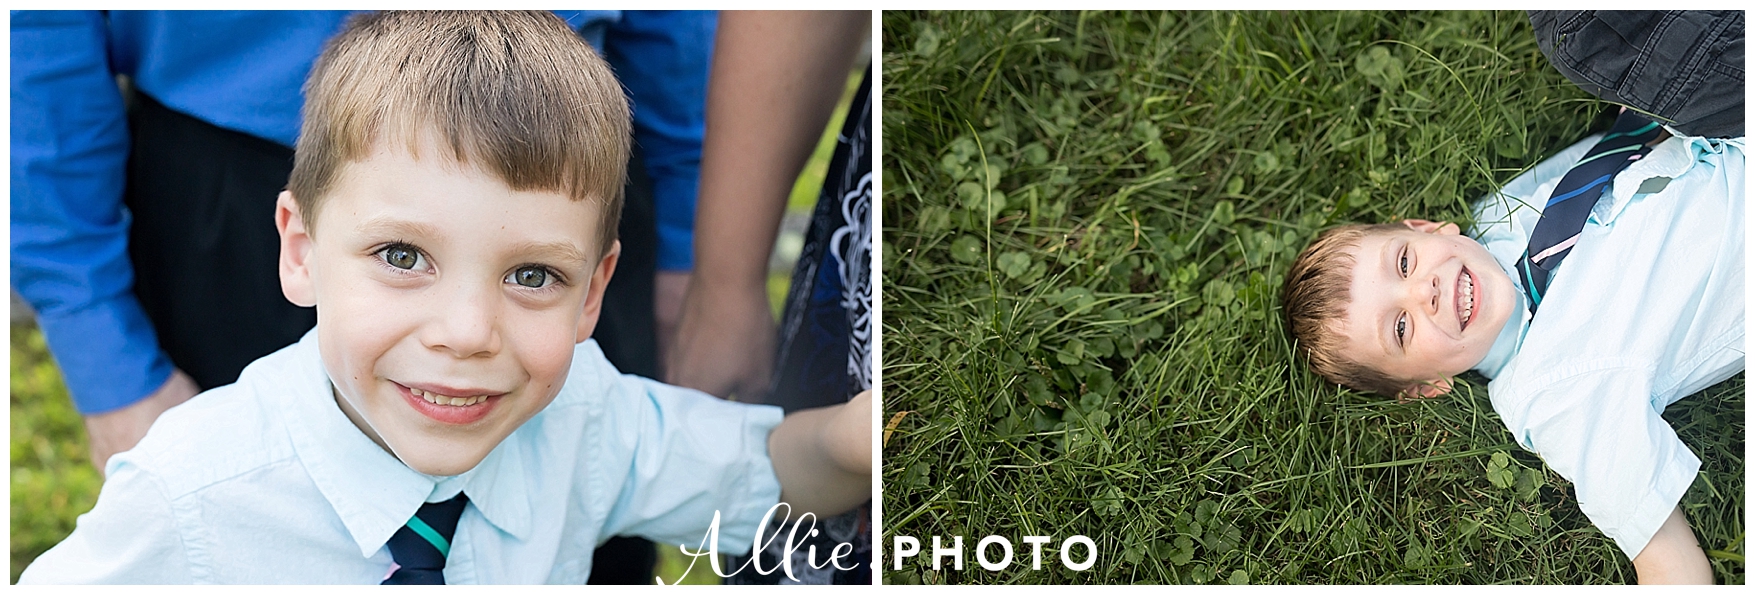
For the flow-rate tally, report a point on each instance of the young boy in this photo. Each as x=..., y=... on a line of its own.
x=451, y=215
x=1647, y=308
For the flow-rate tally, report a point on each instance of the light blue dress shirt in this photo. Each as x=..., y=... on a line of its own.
x=266, y=481
x=1647, y=309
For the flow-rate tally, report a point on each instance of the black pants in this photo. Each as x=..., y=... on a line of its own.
x=206, y=254
x=1686, y=67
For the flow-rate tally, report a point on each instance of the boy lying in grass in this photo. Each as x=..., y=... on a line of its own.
x=452, y=216
x=1647, y=308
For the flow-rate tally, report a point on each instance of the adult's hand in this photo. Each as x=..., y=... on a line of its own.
x=668, y=289
x=117, y=431
x=725, y=341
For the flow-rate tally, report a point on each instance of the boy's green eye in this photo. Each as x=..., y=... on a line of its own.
x=1404, y=262
x=402, y=257
x=1401, y=328
x=533, y=277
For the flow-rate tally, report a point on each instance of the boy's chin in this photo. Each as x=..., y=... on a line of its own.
x=446, y=463
x=1488, y=331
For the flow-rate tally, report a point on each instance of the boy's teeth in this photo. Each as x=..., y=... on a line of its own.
x=1468, y=297
x=438, y=399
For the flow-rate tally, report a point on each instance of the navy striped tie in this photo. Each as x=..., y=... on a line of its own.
x=419, y=548
x=1571, y=202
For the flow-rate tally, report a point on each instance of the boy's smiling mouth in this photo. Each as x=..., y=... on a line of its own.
x=438, y=399
x=1465, y=298
x=449, y=405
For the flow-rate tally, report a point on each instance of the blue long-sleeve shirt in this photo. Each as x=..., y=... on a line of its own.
x=243, y=71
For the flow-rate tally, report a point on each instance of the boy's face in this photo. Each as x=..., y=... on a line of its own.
x=448, y=304
x=1427, y=304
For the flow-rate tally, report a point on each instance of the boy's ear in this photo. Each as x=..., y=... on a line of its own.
x=295, y=252
x=1443, y=228
x=594, y=293
x=1425, y=390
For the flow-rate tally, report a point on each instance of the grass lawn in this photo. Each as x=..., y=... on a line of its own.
x=1087, y=217
x=52, y=482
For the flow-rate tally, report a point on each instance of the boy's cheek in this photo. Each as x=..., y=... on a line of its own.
x=545, y=348
x=358, y=323
x=362, y=314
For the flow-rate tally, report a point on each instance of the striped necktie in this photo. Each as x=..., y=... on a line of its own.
x=1571, y=202
x=419, y=548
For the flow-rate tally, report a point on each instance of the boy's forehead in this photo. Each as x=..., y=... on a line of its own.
x=1365, y=293
x=421, y=149
x=392, y=177
x=1360, y=256
x=1358, y=334
x=425, y=157
x=1368, y=251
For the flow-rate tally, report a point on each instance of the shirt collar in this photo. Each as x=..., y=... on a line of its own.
x=497, y=487
x=1669, y=159
x=373, y=492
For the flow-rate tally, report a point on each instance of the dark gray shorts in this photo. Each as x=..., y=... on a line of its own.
x=1686, y=67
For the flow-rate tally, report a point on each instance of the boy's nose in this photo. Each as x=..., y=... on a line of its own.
x=1423, y=294
x=466, y=324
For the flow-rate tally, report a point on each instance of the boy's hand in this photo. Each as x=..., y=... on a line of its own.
x=847, y=437
x=822, y=457
x=1673, y=557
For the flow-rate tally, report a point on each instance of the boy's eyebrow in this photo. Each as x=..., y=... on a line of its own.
x=553, y=250
x=1386, y=332
x=397, y=228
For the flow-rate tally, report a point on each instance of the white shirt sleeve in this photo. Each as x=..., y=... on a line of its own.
x=129, y=537
x=1600, y=431
x=693, y=456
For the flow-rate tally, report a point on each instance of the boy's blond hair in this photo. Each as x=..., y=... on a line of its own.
x=1315, y=296
x=517, y=94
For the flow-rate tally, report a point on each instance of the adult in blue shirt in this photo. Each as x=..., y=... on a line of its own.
x=142, y=229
